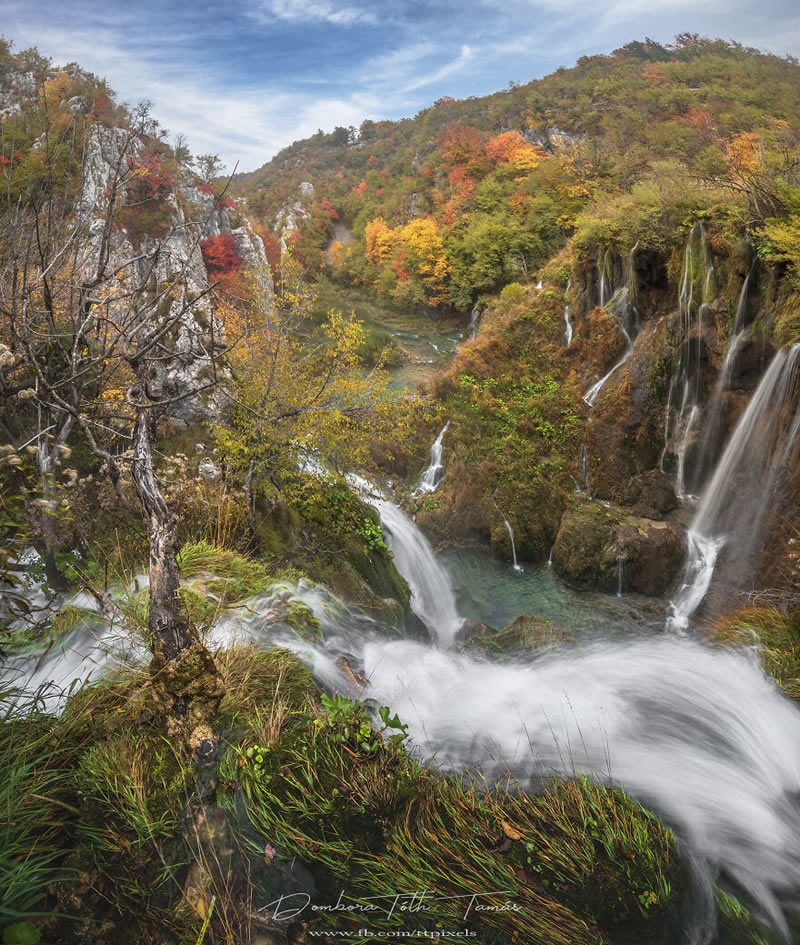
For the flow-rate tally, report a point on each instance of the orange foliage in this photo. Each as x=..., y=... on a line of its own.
x=743, y=154
x=504, y=146
x=462, y=145
x=697, y=118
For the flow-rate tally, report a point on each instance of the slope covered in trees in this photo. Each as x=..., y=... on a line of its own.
x=470, y=195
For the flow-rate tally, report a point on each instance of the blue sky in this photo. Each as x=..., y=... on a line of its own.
x=244, y=79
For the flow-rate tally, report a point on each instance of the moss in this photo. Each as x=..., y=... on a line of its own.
x=580, y=553
x=237, y=576
x=334, y=540
x=596, y=539
x=522, y=635
x=301, y=618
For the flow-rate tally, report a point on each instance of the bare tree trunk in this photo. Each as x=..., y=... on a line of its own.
x=186, y=684
x=170, y=631
x=47, y=445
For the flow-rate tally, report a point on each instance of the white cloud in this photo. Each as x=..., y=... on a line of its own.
x=467, y=53
x=309, y=10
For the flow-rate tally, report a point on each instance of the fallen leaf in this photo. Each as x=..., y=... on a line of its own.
x=510, y=832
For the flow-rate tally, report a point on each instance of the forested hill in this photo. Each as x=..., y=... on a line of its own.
x=471, y=194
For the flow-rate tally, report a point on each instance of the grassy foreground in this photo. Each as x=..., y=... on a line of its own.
x=108, y=832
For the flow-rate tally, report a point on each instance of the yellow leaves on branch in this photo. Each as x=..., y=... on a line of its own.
x=297, y=389
x=743, y=154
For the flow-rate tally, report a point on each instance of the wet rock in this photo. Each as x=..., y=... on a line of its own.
x=473, y=629
x=522, y=635
x=597, y=540
x=650, y=494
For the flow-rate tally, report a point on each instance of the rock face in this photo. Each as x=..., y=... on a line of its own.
x=596, y=542
x=192, y=214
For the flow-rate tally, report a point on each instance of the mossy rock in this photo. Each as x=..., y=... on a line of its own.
x=523, y=635
x=595, y=540
x=534, y=508
x=302, y=619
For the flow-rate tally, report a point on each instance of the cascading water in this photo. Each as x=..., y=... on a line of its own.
x=515, y=566
x=432, y=596
x=474, y=322
x=432, y=475
x=736, y=341
x=622, y=305
x=734, y=503
x=689, y=374
x=567, y=322
x=698, y=733
x=584, y=467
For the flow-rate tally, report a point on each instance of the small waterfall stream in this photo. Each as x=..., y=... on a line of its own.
x=432, y=474
x=474, y=322
x=736, y=341
x=432, y=596
x=621, y=302
x=567, y=323
x=515, y=566
x=690, y=367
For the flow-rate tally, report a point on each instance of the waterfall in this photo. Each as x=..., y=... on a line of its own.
x=694, y=731
x=567, y=322
x=736, y=341
x=734, y=503
x=474, y=322
x=432, y=596
x=666, y=425
x=689, y=372
x=513, y=546
x=432, y=475
x=591, y=395
x=602, y=270
x=622, y=306
x=584, y=461
x=620, y=571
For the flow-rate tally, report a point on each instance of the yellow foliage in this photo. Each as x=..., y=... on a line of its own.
x=743, y=154
x=380, y=241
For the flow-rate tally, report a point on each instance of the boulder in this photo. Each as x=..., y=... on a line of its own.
x=597, y=540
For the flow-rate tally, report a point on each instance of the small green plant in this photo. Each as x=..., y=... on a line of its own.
x=347, y=721
x=371, y=532
x=255, y=756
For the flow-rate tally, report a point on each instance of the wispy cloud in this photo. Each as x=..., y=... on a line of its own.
x=467, y=52
x=248, y=83
x=320, y=10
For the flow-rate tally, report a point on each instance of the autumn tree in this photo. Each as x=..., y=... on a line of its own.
x=300, y=398
x=104, y=337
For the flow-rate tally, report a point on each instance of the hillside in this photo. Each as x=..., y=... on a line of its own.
x=470, y=195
